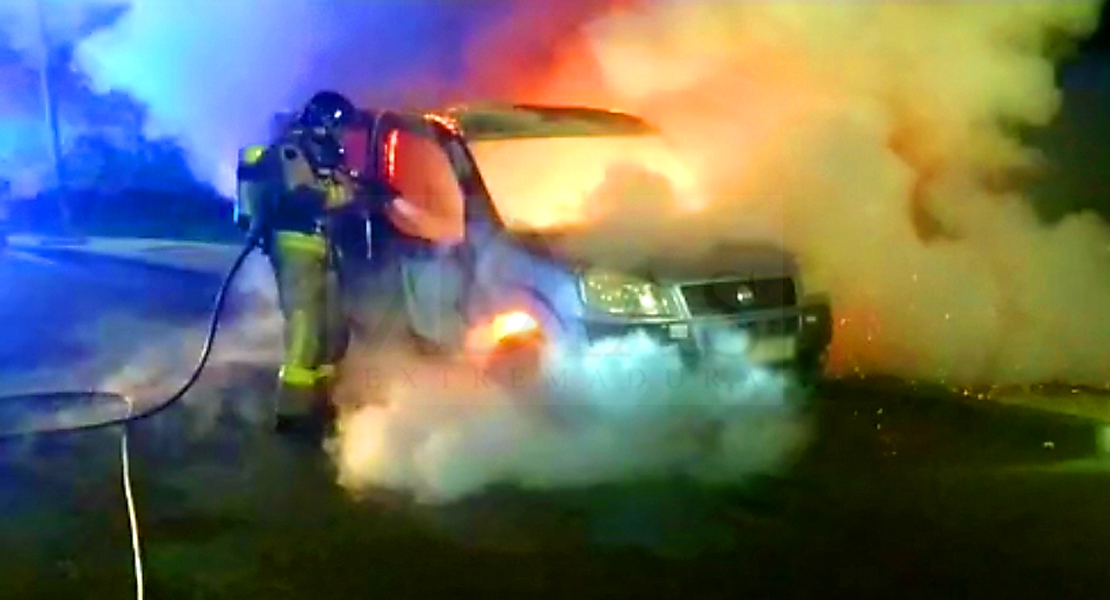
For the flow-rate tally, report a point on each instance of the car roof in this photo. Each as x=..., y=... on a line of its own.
x=519, y=121
x=516, y=121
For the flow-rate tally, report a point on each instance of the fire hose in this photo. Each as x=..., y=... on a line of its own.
x=125, y=420
x=55, y=398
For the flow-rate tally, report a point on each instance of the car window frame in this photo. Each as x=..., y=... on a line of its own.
x=385, y=125
x=478, y=208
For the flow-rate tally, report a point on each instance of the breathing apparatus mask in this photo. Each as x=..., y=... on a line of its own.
x=320, y=128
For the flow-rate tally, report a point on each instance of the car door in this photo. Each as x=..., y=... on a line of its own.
x=428, y=215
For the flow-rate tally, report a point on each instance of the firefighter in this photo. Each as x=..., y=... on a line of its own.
x=293, y=197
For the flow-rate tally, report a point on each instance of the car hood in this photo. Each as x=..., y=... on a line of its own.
x=755, y=259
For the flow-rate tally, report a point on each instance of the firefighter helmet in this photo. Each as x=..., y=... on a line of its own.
x=321, y=122
x=328, y=110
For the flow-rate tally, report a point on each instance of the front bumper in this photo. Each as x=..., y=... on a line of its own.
x=807, y=327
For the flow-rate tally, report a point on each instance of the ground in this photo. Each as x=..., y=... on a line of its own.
x=902, y=493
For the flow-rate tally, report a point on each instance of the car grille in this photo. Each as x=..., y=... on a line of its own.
x=723, y=297
x=773, y=327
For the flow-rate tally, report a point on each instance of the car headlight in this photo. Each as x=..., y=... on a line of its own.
x=618, y=294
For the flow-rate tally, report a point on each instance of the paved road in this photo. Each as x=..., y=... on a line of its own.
x=900, y=494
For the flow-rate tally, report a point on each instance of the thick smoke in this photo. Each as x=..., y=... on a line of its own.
x=879, y=139
x=441, y=427
x=624, y=410
x=880, y=154
x=27, y=24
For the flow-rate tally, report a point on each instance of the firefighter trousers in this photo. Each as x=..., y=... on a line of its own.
x=316, y=333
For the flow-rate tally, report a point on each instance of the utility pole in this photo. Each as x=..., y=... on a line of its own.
x=50, y=108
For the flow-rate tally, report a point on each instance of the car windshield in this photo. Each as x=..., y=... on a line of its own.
x=541, y=184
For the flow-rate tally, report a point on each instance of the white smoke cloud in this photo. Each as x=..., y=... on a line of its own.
x=619, y=411
x=29, y=25
x=213, y=77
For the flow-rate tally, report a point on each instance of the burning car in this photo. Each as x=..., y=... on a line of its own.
x=503, y=196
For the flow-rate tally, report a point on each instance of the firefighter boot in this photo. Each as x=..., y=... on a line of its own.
x=301, y=411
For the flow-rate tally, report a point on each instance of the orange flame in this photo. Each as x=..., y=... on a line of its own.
x=391, y=153
x=553, y=182
x=451, y=124
x=483, y=339
x=513, y=323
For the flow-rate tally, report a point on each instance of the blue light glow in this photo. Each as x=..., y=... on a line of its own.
x=214, y=77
